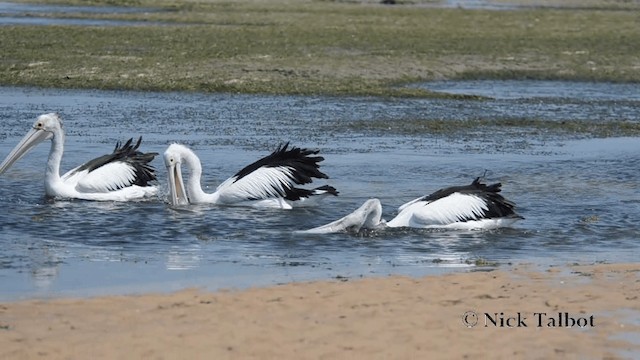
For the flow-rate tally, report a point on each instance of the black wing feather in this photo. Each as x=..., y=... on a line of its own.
x=305, y=167
x=294, y=194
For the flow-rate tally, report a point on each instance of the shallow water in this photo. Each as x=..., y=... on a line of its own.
x=476, y=5
x=22, y=8
x=46, y=14
x=579, y=195
x=545, y=100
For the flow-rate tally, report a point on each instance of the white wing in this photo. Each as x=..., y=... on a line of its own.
x=262, y=183
x=451, y=209
x=109, y=177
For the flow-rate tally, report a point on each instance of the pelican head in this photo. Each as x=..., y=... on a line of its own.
x=174, y=156
x=45, y=127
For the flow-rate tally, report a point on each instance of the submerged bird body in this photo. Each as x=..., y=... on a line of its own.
x=122, y=175
x=474, y=206
x=269, y=182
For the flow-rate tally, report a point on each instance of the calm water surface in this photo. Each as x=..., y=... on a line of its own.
x=580, y=196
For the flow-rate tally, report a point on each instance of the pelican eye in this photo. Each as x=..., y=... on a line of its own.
x=39, y=125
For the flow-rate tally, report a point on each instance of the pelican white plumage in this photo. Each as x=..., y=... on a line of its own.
x=121, y=176
x=269, y=182
x=474, y=206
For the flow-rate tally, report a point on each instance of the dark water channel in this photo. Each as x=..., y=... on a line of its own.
x=578, y=193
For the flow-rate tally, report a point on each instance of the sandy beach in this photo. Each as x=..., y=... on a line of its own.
x=517, y=312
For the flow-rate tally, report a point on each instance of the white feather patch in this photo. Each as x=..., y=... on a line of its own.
x=109, y=177
x=447, y=210
x=262, y=183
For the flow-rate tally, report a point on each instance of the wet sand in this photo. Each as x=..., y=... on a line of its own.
x=383, y=318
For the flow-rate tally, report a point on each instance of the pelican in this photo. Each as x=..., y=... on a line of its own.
x=121, y=176
x=469, y=207
x=268, y=183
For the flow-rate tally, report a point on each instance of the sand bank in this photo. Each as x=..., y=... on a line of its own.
x=508, y=313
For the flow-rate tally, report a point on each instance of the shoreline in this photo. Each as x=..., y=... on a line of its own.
x=521, y=312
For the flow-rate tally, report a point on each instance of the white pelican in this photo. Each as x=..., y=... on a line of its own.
x=475, y=206
x=121, y=176
x=269, y=182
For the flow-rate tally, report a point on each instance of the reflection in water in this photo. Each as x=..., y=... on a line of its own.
x=45, y=265
x=44, y=276
x=448, y=248
x=184, y=257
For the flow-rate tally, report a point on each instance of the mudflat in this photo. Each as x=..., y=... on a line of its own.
x=322, y=47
